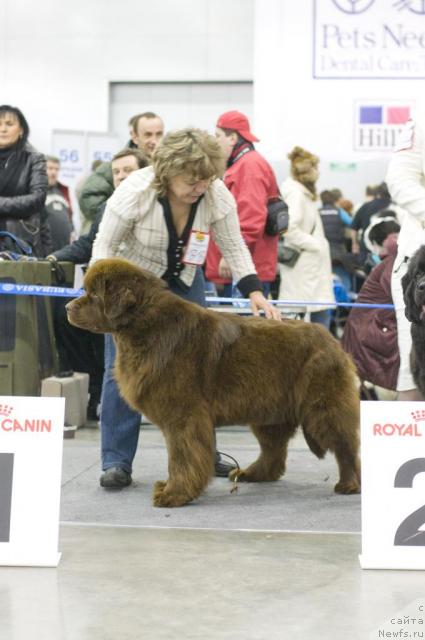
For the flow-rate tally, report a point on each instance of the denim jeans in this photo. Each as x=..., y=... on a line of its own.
x=119, y=424
x=321, y=317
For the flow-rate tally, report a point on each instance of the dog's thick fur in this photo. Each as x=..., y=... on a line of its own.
x=190, y=369
x=413, y=283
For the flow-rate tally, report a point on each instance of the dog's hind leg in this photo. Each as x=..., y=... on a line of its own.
x=270, y=465
x=334, y=426
x=190, y=462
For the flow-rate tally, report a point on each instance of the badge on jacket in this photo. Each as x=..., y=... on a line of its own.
x=196, y=248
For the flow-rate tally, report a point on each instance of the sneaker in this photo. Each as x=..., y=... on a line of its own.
x=115, y=478
x=222, y=468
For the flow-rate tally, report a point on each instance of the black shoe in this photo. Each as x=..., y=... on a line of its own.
x=115, y=478
x=65, y=373
x=222, y=468
x=93, y=410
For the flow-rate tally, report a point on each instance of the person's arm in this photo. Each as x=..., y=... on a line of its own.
x=405, y=174
x=24, y=206
x=45, y=233
x=97, y=188
x=121, y=212
x=355, y=246
x=80, y=251
x=345, y=217
x=226, y=233
x=356, y=225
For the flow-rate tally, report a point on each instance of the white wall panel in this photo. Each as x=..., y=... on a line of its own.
x=179, y=104
x=291, y=107
x=58, y=58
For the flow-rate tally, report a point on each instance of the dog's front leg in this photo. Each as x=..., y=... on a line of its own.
x=190, y=462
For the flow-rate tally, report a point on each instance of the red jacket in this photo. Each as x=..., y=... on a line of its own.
x=252, y=182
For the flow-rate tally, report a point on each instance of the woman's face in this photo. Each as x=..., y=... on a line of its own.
x=10, y=130
x=184, y=189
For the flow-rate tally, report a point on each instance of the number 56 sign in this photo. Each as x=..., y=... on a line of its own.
x=393, y=485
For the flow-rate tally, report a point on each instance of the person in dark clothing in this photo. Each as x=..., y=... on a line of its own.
x=335, y=221
x=23, y=184
x=58, y=206
x=81, y=350
x=363, y=216
x=370, y=334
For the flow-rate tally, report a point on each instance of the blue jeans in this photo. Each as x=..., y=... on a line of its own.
x=321, y=317
x=120, y=425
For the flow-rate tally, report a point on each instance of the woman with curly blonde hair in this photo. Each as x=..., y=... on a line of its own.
x=310, y=278
x=161, y=218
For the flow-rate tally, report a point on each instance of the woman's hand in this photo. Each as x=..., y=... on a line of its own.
x=259, y=302
x=224, y=270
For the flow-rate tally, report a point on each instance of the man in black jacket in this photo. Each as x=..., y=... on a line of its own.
x=81, y=350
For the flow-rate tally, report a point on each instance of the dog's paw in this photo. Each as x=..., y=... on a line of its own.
x=159, y=486
x=253, y=474
x=347, y=487
x=244, y=475
x=162, y=497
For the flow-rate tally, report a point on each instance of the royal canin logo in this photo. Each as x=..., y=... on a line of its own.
x=411, y=428
x=32, y=425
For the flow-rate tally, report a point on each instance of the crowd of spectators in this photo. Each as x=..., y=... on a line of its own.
x=218, y=186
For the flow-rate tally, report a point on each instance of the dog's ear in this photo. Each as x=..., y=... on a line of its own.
x=117, y=302
x=411, y=311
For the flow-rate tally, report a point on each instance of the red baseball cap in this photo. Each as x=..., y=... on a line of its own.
x=237, y=121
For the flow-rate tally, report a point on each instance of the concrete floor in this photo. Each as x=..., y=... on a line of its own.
x=135, y=579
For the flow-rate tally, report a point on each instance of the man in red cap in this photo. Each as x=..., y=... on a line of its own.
x=251, y=180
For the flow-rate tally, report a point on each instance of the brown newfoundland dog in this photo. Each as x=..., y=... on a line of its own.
x=190, y=369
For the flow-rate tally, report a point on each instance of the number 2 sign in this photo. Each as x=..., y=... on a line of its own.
x=31, y=440
x=393, y=485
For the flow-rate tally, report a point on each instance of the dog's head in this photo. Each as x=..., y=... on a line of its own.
x=114, y=289
x=413, y=283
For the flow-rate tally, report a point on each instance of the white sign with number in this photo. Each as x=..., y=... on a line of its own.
x=393, y=485
x=101, y=146
x=70, y=148
x=31, y=442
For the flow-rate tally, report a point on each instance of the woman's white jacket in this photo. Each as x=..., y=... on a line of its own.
x=406, y=183
x=311, y=278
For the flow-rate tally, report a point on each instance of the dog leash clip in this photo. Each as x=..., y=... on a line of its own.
x=235, y=484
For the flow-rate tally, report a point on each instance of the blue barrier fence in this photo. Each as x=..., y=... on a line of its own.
x=65, y=292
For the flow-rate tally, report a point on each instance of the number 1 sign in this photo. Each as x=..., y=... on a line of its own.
x=31, y=440
x=393, y=485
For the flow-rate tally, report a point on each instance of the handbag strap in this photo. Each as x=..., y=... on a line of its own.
x=23, y=246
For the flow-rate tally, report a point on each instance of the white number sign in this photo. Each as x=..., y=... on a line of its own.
x=393, y=485
x=31, y=440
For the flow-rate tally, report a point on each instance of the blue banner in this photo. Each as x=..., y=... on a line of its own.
x=39, y=290
x=65, y=292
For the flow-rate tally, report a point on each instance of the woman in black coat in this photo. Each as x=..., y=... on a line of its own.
x=23, y=184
